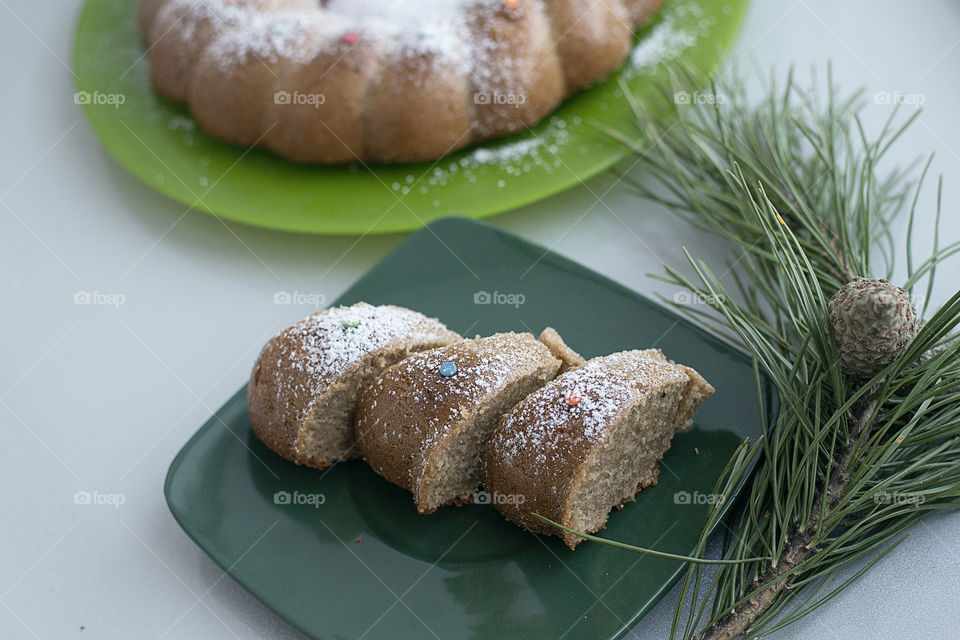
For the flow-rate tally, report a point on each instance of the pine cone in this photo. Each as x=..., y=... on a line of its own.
x=873, y=322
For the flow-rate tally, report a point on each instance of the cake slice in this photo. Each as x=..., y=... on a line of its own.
x=424, y=423
x=590, y=440
x=304, y=386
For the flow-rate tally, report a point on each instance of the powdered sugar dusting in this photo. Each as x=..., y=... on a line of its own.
x=298, y=30
x=516, y=157
x=682, y=25
x=398, y=12
x=485, y=366
x=608, y=386
x=270, y=38
x=189, y=15
x=318, y=349
x=486, y=51
x=330, y=341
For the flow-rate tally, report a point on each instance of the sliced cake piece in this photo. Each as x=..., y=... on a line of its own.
x=590, y=440
x=304, y=386
x=424, y=423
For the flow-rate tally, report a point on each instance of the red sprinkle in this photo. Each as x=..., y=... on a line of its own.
x=350, y=38
x=574, y=398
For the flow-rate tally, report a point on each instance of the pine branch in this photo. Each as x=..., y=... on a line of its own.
x=791, y=181
x=776, y=578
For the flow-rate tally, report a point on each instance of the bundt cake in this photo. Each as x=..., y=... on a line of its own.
x=331, y=81
x=424, y=423
x=589, y=440
x=304, y=386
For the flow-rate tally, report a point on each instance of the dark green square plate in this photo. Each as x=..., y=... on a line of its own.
x=342, y=553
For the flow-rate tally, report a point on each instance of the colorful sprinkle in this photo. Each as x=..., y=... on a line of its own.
x=574, y=398
x=351, y=325
x=511, y=4
x=350, y=38
x=447, y=369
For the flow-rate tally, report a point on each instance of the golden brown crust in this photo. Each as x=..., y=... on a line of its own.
x=524, y=81
x=324, y=357
x=440, y=104
x=327, y=125
x=601, y=28
x=411, y=412
x=545, y=445
x=246, y=83
x=147, y=14
x=181, y=31
x=273, y=415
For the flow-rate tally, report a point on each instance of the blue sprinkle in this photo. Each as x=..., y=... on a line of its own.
x=447, y=369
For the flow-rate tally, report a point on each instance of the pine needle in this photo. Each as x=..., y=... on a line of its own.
x=792, y=182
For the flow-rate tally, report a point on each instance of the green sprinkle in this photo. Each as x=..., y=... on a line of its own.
x=351, y=325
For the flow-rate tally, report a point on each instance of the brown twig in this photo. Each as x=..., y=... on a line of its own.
x=799, y=545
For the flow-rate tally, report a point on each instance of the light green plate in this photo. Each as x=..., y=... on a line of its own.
x=160, y=144
x=337, y=569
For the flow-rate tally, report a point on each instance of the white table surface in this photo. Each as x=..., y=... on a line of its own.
x=96, y=398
